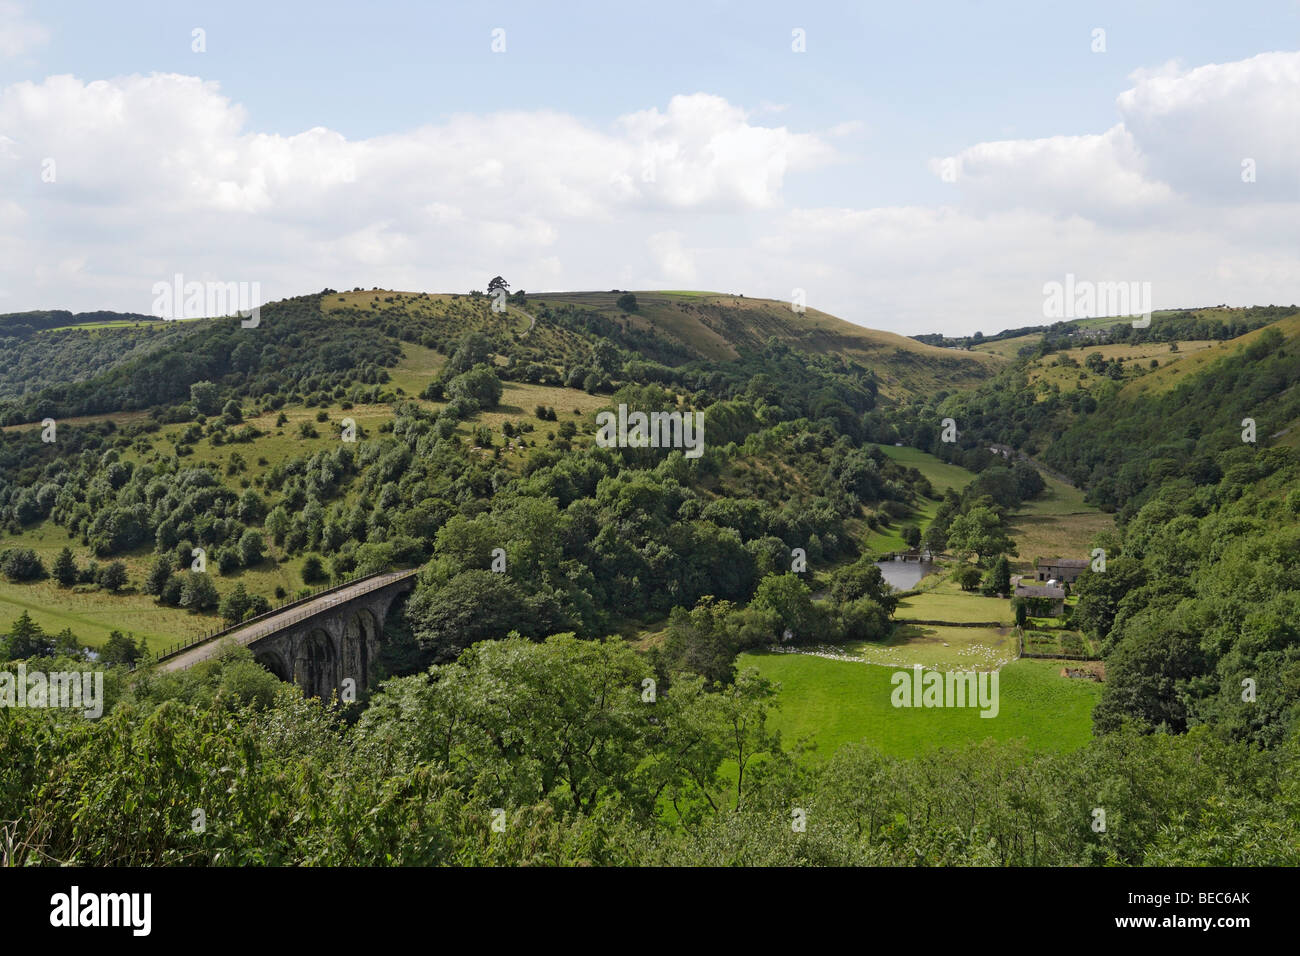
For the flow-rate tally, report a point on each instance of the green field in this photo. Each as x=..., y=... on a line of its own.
x=941, y=476
x=836, y=702
x=949, y=603
x=939, y=473
x=93, y=615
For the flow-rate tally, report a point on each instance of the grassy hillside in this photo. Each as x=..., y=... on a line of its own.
x=719, y=327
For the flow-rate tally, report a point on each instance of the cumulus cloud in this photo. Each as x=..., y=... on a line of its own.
x=167, y=164
x=1196, y=127
x=1097, y=176
x=162, y=174
x=1184, y=136
x=703, y=152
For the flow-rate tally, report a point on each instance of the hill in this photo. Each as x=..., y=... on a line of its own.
x=722, y=327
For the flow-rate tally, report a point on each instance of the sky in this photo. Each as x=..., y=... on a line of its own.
x=916, y=167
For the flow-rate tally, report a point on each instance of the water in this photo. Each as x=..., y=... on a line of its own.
x=904, y=575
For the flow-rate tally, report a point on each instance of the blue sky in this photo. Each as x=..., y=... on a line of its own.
x=774, y=169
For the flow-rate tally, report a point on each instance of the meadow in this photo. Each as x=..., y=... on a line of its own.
x=831, y=703
x=1057, y=524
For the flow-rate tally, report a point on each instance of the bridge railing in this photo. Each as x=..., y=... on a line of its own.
x=182, y=646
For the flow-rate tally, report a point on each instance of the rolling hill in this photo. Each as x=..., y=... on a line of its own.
x=721, y=327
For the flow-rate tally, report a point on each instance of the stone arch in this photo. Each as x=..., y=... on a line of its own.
x=315, y=666
x=274, y=662
x=360, y=637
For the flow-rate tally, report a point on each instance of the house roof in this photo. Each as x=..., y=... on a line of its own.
x=1063, y=562
x=1039, y=590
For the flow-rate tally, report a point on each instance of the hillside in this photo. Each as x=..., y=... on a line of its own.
x=721, y=327
x=365, y=431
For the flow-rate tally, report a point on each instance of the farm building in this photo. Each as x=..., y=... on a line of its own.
x=1065, y=570
x=1054, y=595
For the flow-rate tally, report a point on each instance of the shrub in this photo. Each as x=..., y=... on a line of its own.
x=21, y=564
x=112, y=576
x=313, y=570
x=198, y=592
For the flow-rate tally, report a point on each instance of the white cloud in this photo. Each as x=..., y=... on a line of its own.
x=162, y=174
x=1184, y=136
x=1196, y=126
x=1097, y=176
x=676, y=265
x=159, y=173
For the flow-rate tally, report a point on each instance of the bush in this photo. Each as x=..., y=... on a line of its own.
x=112, y=576
x=967, y=577
x=864, y=620
x=21, y=564
x=228, y=561
x=198, y=592
x=313, y=570
x=480, y=384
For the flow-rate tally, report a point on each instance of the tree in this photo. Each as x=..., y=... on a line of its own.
x=252, y=508
x=121, y=649
x=28, y=639
x=159, y=574
x=998, y=579
x=627, y=302
x=21, y=564
x=205, y=397
x=472, y=349
x=980, y=532
x=312, y=569
x=967, y=577
x=864, y=619
x=479, y=383
x=912, y=536
x=65, y=568
x=700, y=642
x=278, y=523
x=227, y=560
x=584, y=739
x=67, y=645
x=113, y=576
x=473, y=606
x=863, y=579
x=198, y=592
x=251, y=548
x=791, y=599
x=498, y=283
x=235, y=604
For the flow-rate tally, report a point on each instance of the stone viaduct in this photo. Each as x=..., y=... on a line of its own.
x=316, y=643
